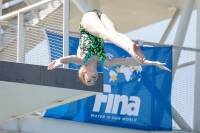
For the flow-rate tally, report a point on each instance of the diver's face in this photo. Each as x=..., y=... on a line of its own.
x=90, y=77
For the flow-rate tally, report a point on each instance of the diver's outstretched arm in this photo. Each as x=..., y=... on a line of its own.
x=65, y=60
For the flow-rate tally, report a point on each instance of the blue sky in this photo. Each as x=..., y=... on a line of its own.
x=149, y=33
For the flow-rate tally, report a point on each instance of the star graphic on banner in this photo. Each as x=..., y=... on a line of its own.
x=113, y=77
x=122, y=66
x=133, y=68
x=117, y=69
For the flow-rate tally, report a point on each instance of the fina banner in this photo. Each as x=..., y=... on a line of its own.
x=136, y=97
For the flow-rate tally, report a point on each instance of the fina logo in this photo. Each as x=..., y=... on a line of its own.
x=130, y=105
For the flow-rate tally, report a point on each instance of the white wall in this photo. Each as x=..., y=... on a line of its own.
x=35, y=124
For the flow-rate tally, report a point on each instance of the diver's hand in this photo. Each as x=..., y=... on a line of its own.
x=54, y=64
x=161, y=65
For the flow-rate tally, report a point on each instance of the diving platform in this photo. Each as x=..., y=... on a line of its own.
x=26, y=89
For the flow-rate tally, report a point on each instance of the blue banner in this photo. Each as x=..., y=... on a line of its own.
x=136, y=97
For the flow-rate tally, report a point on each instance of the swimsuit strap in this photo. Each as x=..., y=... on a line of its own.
x=98, y=14
x=100, y=63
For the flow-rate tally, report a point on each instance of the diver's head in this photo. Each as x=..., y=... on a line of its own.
x=87, y=77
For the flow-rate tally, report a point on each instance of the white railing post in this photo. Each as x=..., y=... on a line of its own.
x=196, y=116
x=182, y=30
x=0, y=24
x=20, y=38
x=66, y=18
x=178, y=41
x=82, y=5
x=170, y=26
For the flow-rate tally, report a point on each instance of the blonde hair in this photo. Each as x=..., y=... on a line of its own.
x=81, y=76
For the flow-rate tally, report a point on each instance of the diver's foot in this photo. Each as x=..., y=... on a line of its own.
x=138, y=54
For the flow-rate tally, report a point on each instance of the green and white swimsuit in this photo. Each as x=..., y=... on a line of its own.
x=91, y=45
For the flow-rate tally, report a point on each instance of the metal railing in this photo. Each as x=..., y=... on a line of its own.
x=20, y=31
